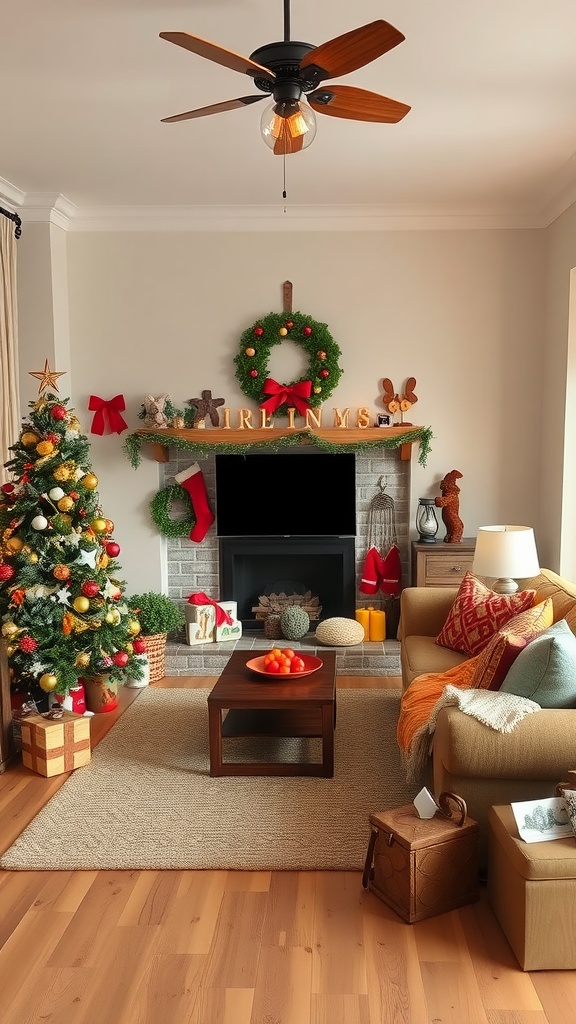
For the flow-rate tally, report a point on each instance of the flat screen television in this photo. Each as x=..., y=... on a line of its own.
x=292, y=494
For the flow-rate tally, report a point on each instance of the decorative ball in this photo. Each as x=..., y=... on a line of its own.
x=89, y=481
x=62, y=473
x=58, y=412
x=28, y=644
x=324, y=373
x=321, y=354
x=103, y=560
x=307, y=331
x=250, y=352
x=61, y=572
x=48, y=682
x=112, y=549
x=81, y=604
x=55, y=493
x=90, y=588
x=120, y=659
x=283, y=332
x=139, y=646
x=7, y=488
x=74, y=424
x=289, y=324
x=39, y=523
x=6, y=572
x=9, y=629
x=29, y=439
x=66, y=503
x=98, y=525
x=258, y=331
x=134, y=627
x=112, y=617
x=109, y=526
x=340, y=632
x=253, y=373
x=14, y=545
x=82, y=660
x=294, y=622
x=317, y=390
x=33, y=557
x=45, y=448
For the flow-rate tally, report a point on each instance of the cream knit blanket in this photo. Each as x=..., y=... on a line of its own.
x=499, y=711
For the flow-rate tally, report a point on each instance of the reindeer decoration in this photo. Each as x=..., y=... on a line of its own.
x=394, y=402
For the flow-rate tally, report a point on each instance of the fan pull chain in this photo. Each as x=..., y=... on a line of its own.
x=284, y=180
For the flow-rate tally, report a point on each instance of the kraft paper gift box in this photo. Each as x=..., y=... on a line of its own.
x=201, y=625
x=52, y=745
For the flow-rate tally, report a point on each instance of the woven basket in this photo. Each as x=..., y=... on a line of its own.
x=272, y=628
x=156, y=653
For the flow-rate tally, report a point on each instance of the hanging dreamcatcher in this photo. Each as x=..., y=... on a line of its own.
x=382, y=565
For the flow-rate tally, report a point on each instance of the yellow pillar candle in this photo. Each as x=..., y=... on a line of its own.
x=377, y=625
x=363, y=616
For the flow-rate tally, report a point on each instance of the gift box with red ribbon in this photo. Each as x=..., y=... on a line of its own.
x=209, y=621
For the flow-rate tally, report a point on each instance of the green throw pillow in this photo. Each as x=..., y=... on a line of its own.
x=545, y=671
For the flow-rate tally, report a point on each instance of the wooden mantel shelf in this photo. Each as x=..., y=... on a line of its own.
x=208, y=440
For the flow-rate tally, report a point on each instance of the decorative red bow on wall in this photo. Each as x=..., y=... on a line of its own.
x=292, y=394
x=221, y=614
x=114, y=407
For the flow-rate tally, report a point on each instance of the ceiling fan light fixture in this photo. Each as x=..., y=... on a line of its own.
x=288, y=126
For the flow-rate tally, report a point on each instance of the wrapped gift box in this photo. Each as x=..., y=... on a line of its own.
x=201, y=625
x=53, y=745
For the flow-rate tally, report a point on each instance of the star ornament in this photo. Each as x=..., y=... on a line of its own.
x=87, y=558
x=48, y=378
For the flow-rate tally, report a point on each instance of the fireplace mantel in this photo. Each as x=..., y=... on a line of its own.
x=203, y=442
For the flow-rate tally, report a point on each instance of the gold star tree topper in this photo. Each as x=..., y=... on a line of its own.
x=47, y=377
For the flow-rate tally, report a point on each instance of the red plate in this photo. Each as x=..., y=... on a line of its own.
x=311, y=664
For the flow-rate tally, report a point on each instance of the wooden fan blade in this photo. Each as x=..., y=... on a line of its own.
x=357, y=104
x=214, y=108
x=204, y=48
x=352, y=50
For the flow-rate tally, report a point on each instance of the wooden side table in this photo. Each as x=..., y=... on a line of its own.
x=7, y=744
x=440, y=564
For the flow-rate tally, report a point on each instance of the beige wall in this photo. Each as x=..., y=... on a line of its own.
x=462, y=311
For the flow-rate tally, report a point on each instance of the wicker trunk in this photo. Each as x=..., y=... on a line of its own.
x=156, y=652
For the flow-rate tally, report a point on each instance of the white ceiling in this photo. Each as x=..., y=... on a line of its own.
x=492, y=130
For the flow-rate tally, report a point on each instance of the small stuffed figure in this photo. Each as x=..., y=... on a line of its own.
x=449, y=502
x=154, y=414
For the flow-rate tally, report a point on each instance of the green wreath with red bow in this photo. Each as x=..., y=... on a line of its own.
x=308, y=391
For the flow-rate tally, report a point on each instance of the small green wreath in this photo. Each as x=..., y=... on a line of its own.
x=255, y=344
x=160, y=508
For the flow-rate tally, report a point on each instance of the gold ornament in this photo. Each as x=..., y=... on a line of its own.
x=74, y=424
x=321, y=354
x=11, y=649
x=44, y=447
x=61, y=572
x=134, y=627
x=81, y=604
x=14, y=545
x=29, y=439
x=178, y=422
x=317, y=390
x=65, y=503
x=109, y=526
x=98, y=525
x=82, y=661
x=89, y=481
x=128, y=648
x=9, y=629
x=103, y=560
x=283, y=332
x=48, y=682
x=33, y=557
x=62, y=473
x=250, y=352
x=112, y=617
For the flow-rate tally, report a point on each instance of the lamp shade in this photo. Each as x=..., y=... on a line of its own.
x=506, y=553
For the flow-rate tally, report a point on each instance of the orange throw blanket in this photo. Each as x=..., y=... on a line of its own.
x=423, y=693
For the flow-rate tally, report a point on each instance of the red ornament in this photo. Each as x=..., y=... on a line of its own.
x=289, y=324
x=28, y=644
x=6, y=572
x=139, y=646
x=90, y=588
x=7, y=488
x=253, y=373
x=307, y=331
x=324, y=373
x=58, y=412
x=112, y=549
x=120, y=659
x=53, y=438
x=258, y=331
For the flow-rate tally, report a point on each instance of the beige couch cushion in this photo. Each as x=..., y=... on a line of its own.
x=421, y=654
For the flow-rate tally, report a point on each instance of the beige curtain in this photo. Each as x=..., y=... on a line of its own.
x=9, y=392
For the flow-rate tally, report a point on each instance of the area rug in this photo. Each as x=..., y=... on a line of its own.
x=146, y=800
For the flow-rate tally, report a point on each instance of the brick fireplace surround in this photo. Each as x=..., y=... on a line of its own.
x=194, y=567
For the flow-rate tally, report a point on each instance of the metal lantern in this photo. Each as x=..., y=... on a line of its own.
x=426, y=521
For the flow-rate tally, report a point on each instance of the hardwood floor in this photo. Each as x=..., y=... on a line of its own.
x=218, y=947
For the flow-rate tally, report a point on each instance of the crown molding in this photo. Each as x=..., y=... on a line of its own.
x=10, y=194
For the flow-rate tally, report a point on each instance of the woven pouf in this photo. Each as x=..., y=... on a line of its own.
x=340, y=632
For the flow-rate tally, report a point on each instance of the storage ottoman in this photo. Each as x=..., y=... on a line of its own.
x=532, y=890
x=421, y=867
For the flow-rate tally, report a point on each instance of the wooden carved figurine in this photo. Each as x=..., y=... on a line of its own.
x=449, y=502
x=394, y=402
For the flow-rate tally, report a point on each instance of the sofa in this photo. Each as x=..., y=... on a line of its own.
x=481, y=765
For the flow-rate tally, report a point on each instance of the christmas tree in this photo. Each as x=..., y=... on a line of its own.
x=61, y=602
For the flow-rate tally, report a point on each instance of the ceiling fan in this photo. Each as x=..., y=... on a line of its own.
x=286, y=70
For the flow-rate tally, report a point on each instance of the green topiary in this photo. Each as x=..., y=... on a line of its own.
x=156, y=613
x=294, y=622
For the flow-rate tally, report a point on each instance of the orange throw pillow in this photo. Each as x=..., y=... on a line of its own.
x=502, y=650
x=478, y=613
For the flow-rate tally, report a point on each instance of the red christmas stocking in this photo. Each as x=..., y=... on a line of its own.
x=391, y=572
x=371, y=572
x=192, y=480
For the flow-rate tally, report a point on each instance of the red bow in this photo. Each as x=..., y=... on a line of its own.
x=221, y=614
x=292, y=394
x=113, y=407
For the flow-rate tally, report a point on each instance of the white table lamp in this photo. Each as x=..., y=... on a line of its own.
x=505, y=554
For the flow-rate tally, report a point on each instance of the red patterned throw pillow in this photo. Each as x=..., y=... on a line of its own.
x=478, y=613
x=501, y=651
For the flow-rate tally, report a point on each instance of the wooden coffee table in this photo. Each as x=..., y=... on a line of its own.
x=258, y=707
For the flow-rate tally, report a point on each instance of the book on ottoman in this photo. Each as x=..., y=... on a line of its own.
x=211, y=621
x=55, y=742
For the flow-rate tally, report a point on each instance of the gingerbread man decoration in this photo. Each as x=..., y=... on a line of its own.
x=206, y=406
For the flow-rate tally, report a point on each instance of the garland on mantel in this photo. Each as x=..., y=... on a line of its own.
x=202, y=449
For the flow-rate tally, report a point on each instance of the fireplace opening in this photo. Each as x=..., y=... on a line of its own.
x=323, y=565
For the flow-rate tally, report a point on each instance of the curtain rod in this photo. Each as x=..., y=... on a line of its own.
x=15, y=218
